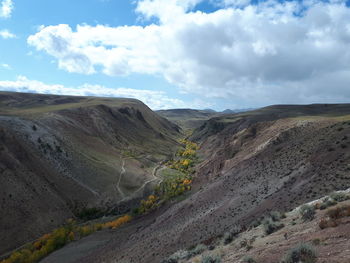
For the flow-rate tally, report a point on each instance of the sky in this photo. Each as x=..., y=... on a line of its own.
x=201, y=54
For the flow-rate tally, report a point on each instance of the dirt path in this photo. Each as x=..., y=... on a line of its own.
x=117, y=186
x=155, y=178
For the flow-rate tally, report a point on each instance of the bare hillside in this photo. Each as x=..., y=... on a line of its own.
x=61, y=154
x=272, y=159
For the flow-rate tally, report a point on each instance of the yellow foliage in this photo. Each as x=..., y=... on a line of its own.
x=118, y=222
x=188, y=153
x=37, y=244
x=187, y=182
x=152, y=197
x=71, y=236
x=186, y=162
x=59, y=237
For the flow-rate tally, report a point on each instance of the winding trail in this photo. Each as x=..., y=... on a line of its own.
x=155, y=178
x=117, y=186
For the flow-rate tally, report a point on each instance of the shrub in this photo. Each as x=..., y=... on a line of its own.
x=338, y=212
x=85, y=230
x=327, y=203
x=255, y=223
x=170, y=260
x=230, y=235
x=211, y=259
x=197, y=250
x=228, y=238
x=276, y=216
x=248, y=259
x=118, y=222
x=270, y=226
x=325, y=223
x=181, y=254
x=302, y=253
x=58, y=238
x=89, y=213
x=307, y=212
x=339, y=197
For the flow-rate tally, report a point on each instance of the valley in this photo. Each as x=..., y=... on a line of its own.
x=61, y=155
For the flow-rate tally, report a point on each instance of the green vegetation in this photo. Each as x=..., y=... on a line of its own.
x=339, y=197
x=89, y=213
x=146, y=205
x=277, y=216
x=174, y=183
x=211, y=259
x=326, y=203
x=307, y=212
x=200, y=248
x=271, y=226
x=248, y=259
x=302, y=253
x=177, y=178
x=58, y=238
x=174, y=258
x=232, y=234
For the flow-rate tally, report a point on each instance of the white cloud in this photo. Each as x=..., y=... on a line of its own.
x=154, y=99
x=6, y=34
x=235, y=3
x=291, y=52
x=6, y=8
x=5, y=66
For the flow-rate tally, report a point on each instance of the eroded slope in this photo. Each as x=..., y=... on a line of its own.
x=60, y=154
x=269, y=160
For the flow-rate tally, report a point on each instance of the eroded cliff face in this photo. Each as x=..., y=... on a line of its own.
x=60, y=154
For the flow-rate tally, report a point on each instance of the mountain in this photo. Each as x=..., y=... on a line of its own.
x=187, y=118
x=190, y=119
x=229, y=111
x=272, y=159
x=60, y=155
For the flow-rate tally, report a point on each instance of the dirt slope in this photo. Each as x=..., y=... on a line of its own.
x=273, y=159
x=59, y=154
x=331, y=244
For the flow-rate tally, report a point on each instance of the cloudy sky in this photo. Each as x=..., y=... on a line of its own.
x=179, y=53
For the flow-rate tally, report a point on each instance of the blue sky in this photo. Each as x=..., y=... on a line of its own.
x=173, y=54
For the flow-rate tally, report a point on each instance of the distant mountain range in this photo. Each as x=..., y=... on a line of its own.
x=190, y=118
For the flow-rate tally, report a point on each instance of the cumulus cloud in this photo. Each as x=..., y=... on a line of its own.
x=5, y=34
x=6, y=8
x=271, y=52
x=154, y=99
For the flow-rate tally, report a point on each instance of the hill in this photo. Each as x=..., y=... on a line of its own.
x=253, y=163
x=60, y=155
x=187, y=118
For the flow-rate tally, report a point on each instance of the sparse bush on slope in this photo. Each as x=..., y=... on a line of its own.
x=248, y=259
x=307, y=212
x=211, y=259
x=327, y=202
x=270, y=226
x=232, y=234
x=276, y=216
x=333, y=216
x=339, y=196
x=200, y=248
x=302, y=253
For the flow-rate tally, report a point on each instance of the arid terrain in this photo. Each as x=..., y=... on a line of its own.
x=63, y=153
